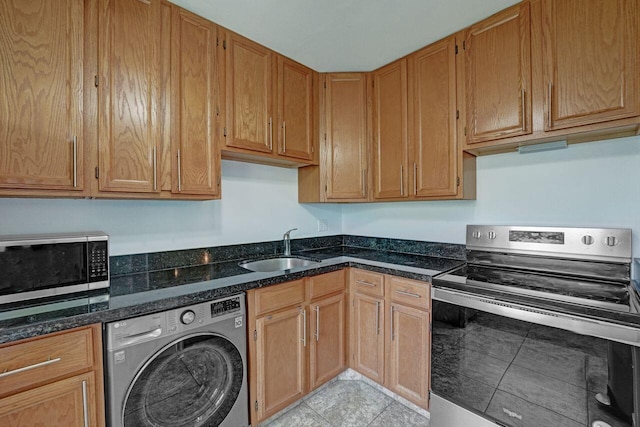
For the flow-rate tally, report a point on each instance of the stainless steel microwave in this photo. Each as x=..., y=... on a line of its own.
x=42, y=266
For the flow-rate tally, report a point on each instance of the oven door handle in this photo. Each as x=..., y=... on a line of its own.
x=597, y=328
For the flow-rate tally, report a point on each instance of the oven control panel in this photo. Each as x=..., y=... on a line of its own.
x=606, y=244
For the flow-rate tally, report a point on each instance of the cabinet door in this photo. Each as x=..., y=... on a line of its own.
x=65, y=403
x=281, y=361
x=346, y=136
x=498, y=76
x=409, y=353
x=249, y=95
x=295, y=109
x=195, y=97
x=327, y=340
x=390, y=131
x=590, y=61
x=41, y=46
x=128, y=130
x=432, y=75
x=368, y=337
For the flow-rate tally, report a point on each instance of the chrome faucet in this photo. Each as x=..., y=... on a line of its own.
x=287, y=242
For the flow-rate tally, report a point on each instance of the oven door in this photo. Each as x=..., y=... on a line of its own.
x=508, y=364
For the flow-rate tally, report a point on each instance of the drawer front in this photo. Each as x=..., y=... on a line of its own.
x=326, y=284
x=367, y=282
x=26, y=364
x=409, y=292
x=279, y=296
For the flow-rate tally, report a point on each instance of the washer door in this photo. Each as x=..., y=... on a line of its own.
x=191, y=382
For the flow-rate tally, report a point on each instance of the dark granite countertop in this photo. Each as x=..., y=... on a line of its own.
x=146, y=292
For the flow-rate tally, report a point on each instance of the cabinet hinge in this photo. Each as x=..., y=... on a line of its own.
x=456, y=49
x=219, y=180
x=325, y=85
x=457, y=114
x=458, y=182
x=325, y=136
x=256, y=406
x=224, y=133
x=224, y=44
x=95, y=80
x=373, y=83
x=465, y=131
x=97, y=173
x=464, y=45
x=217, y=41
x=255, y=335
x=325, y=188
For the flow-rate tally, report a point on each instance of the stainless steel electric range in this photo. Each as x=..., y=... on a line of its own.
x=540, y=328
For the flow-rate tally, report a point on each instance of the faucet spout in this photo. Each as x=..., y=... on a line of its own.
x=287, y=242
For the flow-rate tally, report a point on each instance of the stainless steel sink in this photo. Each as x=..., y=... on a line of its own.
x=276, y=264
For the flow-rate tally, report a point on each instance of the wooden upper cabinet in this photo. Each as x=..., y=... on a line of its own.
x=128, y=132
x=498, y=76
x=345, y=149
x=196, y=109
x=41, y=80
x=249, y=95
x=390, y=131
x=590, y=55
x=432, y=101
x=295, y=109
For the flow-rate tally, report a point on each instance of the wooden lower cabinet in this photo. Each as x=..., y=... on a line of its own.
x=54, y=380
x=327, y=341
x=280, y=360
x=297, y=340
x=62, y=403
x=368, y=336
x=390, y=334
x=409, y=346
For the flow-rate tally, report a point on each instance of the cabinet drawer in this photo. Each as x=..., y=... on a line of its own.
x=409, y=292
x=279, y=296
x=326, y=284
x=368, y=283
x=25, y=364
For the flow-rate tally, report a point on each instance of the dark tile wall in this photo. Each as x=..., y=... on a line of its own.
x=128, y=264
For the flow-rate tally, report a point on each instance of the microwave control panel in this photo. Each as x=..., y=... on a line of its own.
x=98, y=261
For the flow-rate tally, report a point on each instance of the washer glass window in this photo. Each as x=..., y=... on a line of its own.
x=191, y=382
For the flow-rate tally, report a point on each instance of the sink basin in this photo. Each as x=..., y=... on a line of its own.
x=276, y=264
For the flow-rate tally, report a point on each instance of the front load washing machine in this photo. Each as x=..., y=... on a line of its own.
x=183, y=367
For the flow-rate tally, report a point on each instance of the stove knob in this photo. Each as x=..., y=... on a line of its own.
x=612, y=241
x=187, y=317
x=477, y=234
x=588, y=240
x=492, y=235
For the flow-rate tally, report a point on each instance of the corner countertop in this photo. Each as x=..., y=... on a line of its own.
x=142, y=293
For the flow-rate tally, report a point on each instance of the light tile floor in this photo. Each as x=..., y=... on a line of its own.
x=348, y=403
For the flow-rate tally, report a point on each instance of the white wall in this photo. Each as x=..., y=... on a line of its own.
x=259, y=203
x=593, y=184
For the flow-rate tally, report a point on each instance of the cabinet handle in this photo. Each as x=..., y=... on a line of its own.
x=179, y=173
x=415, y=179
x=155, y=169
x=284, y=136
x=362, y=282
x=85, y=406
x=304, y=328
x=317, y=322
x=392, y=332
x=549, y=104
x=377, y=317
x=524, y=116
x=270, y=134
x=364, y=182
x=409, y=294
x=402, y=180
x=28, y=368
x=75, y=161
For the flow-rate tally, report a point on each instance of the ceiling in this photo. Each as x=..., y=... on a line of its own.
x=345, y=35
